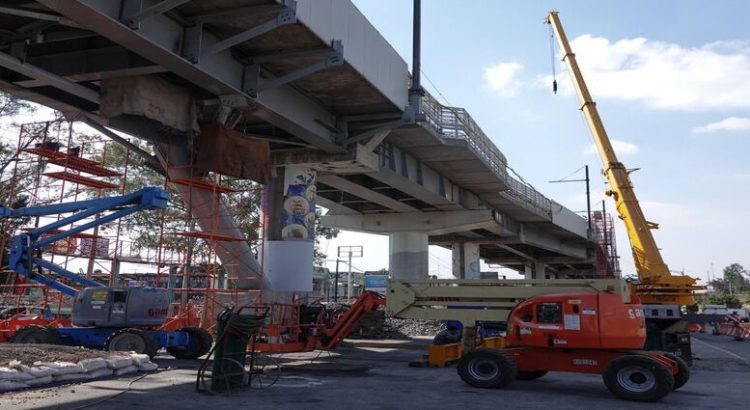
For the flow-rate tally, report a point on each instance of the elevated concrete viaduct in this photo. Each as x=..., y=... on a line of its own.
x=317, y=81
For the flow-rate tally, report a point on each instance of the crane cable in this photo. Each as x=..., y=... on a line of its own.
x=552, y=58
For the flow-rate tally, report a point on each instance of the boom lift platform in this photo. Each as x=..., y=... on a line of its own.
x=110, y=318
x=580, y=326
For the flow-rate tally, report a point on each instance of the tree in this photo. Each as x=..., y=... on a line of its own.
x=319, y=258
x=11, y=106
x=733, y=282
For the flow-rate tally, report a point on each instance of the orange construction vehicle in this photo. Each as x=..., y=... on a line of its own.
x=595, y=333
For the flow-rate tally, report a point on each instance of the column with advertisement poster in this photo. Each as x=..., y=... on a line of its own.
x=288, y=264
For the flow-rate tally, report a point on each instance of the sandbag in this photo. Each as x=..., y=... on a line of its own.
x=148, y=367
x=119, y=362
x=35, y=371
x=40, y=381
x=126, y=370
x=60, y=368
x=93, y=364
x=71, y=377
x=6, y=385
x=101, y=373
x=140, y=358
x=14, y=375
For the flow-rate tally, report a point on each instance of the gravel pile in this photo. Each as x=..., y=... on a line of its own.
x=29, y=353
x=375, y=325
x=412, y=327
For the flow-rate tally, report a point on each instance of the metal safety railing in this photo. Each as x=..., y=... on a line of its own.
x=455, y=123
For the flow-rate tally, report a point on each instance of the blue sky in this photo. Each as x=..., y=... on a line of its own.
x=672, y=83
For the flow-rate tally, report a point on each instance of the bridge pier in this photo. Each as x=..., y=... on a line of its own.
x=408, y=257
x=466, y=261
x=534, y=270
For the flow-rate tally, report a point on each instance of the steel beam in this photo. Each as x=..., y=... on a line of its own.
x=133, y=20
x=48, y=78
x=13, y=11
x=335, y=57
x=235, y=13
x=289, y=55
x=157, y=41
x=283, y=17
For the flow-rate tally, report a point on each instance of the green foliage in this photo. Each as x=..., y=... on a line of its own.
x=732, y=289
x=319, y=258
x=733, y=282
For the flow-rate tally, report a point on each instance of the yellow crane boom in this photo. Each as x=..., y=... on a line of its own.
x=657, y=285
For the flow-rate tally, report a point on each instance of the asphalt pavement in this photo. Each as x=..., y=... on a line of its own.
x=356, y=377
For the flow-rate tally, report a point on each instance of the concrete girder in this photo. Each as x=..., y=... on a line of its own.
x=220, y=74
x=356, y=160
x=516, y=252
x=402, y=171
x=533, y=236
x=334, y=207
x=433, y=223
x=365, y=193
x=470, y=237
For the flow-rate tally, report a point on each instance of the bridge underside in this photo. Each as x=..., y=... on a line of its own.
x=317, y=81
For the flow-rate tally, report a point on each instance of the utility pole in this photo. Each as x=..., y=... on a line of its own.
x=336, y=284
x=351, y=252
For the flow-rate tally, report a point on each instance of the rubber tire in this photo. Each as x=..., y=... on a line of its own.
x=150, y=346
x=40, y=335
x=664, y=382
x=531, y=375
x=683, y=375
x=203, y=344
x=506, y=368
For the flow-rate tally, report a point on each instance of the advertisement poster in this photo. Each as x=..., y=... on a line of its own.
x=298, y=215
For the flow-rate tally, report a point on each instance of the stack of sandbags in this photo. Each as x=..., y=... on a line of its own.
x=18, y=376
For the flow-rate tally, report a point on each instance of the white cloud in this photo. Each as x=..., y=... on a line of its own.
x=715, y=76
x=727, y=124
x=503, y=78
x=621, y=148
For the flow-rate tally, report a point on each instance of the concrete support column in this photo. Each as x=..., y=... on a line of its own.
x=409, y=255
x=466, y=261
x=289, y=219
x=539, y=270
x=534, y=270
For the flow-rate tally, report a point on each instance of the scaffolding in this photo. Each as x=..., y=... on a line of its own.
x=607, y=260
x=56, y=162
x=206, y=246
